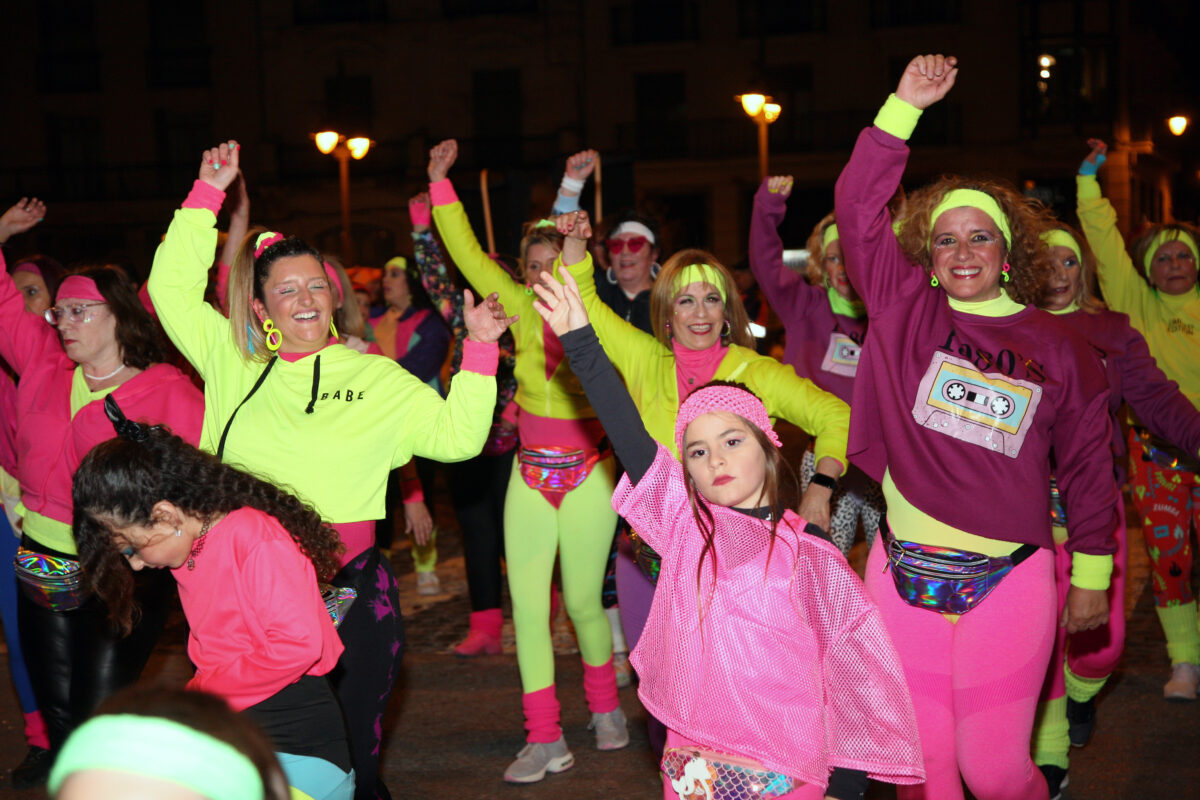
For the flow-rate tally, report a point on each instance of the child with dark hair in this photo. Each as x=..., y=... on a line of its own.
x=246, y=556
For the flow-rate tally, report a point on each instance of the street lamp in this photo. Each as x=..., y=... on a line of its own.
x=761, y=109
x=343, y=149
x=1178, y=124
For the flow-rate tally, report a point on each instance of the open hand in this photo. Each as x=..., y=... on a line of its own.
x=780, y=185
x=927, y=79
x=1086, y=609
x=559, y=303
x=23, y=215
x=487, y=321
x=417, y=522
x=441, y=158
x=219, y=165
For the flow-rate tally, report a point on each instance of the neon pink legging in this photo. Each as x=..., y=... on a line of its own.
x=975, y=683
x=808, y=791
x=1094, y=653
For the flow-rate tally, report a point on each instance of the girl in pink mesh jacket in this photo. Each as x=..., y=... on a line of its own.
x=762, y=654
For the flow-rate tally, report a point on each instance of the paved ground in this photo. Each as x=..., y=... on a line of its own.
x=455, y=724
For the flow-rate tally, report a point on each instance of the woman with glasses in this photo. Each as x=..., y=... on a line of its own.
x=97, y=340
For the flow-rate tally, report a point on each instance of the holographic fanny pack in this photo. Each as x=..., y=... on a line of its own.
x=648, y=561
x=338, y=600
x=557, y=469
x=943, y=579
x=701, y=774
x=1058, y=512
x=50, y=581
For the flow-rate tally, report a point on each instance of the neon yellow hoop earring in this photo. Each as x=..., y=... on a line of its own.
x=272, y=335
x=333, y=329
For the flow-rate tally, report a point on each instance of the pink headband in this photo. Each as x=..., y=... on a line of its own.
x=265, y=240
x=723, y=398
x=331, y=273
x=79, y=287
x=29, y=266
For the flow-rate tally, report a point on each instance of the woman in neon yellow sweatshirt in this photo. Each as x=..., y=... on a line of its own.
x=1164, y=306
x=558, y=498
x=285, y=401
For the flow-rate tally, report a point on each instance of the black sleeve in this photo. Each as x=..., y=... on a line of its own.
x=847, y=784
x=611, y=402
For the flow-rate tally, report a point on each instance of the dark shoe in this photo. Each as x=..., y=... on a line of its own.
x=1056, y=779
x=1081, y=721
x=34, y=770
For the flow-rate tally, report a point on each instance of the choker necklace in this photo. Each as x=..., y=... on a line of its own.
x=198, y=545
x=102, y=377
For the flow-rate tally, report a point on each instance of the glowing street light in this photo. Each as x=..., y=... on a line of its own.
x=343, y=149
x=1178, y=124
x=763, y=111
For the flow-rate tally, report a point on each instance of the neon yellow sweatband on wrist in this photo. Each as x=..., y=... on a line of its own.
x=1057, y=237
x=699, y=273
x=158, y=748
x=1091, y=572
x=897, y=117
x=973, y=198
x=1170, y=235
x=830, y=235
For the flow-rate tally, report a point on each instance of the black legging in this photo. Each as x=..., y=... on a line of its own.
x=477, y=489
x=76, y=660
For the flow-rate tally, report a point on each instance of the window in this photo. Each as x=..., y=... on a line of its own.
x=497, y=108
x=69, y=55
x=780, y=19
x=659, y=22
x=659, y=102
x=180, y=137
x=1070, y=83
x=327, y=12
x=349, y=104
x=77, y=156
x=479, y=8
x=898, y=13
x=178, y=57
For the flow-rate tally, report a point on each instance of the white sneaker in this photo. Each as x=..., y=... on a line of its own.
x=612, y=733
x=538, y=758
x=428, y=583
x=1185, y=678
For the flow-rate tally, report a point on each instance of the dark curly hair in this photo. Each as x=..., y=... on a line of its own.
x=120, y=480
x=138, y=334
x=1031, y=267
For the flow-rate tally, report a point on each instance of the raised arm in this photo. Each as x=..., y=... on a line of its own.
x=181, y=263
x=1122, y=286
x=239, y=224
x=431, y=265
x=23, y=215
x=873, y=258
x=786, y=290
x=1155, y=398
x=579, y=167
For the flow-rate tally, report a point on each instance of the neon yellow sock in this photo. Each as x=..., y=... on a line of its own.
x=425, y=556
x=1183, y=638
x=1082, y=689
x=1051, y=744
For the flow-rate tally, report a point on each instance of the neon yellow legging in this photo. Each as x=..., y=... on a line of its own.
x=580, y=532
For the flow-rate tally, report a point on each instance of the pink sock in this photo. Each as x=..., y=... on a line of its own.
x=35, y=730
x=600, y=687
x=541, y=715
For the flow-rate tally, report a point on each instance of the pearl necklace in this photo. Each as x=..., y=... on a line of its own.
x=198, y=545
x=103, y=377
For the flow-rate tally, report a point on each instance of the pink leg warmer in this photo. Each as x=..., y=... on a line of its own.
x=541, y=715
x=600, y=687
x=975, y=683
x=35, y=730
x=484, y=635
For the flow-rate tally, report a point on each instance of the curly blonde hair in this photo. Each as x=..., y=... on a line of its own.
x=815, y=270
x=662, y=297
x=1028, y=259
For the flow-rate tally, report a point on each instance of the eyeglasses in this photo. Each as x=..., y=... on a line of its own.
x=75, y=313
x=615, y=246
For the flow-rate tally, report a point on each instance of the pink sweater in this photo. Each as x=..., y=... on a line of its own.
x=786, y=662
x=257, y=620
x=50, y=443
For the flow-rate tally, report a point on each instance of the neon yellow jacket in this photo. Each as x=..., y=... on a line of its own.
x=648, y=369
x=1170, y=323
x=369, y=414
x=559, y=397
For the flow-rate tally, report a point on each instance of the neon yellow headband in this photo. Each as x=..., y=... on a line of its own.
x=830, y=234
x=158, y=748
x=1057, y=237
x=397, y=261
x=699, y=273
x=1169, y=235
x=974, y=199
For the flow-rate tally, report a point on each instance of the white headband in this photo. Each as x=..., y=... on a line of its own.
x=635, y=227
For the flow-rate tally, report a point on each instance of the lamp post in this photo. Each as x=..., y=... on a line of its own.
x=343, y=149
x=761, y=109
x=1178, y=124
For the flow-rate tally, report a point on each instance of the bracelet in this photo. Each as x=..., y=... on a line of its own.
x=572, y=184
x=821, y=479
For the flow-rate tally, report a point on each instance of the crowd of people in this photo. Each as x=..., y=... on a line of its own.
x=254, y=417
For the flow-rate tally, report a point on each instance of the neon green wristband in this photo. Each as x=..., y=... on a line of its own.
x=1091, y=572
x=897, y=117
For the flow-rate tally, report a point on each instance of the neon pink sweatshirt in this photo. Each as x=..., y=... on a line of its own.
x=257, y=620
